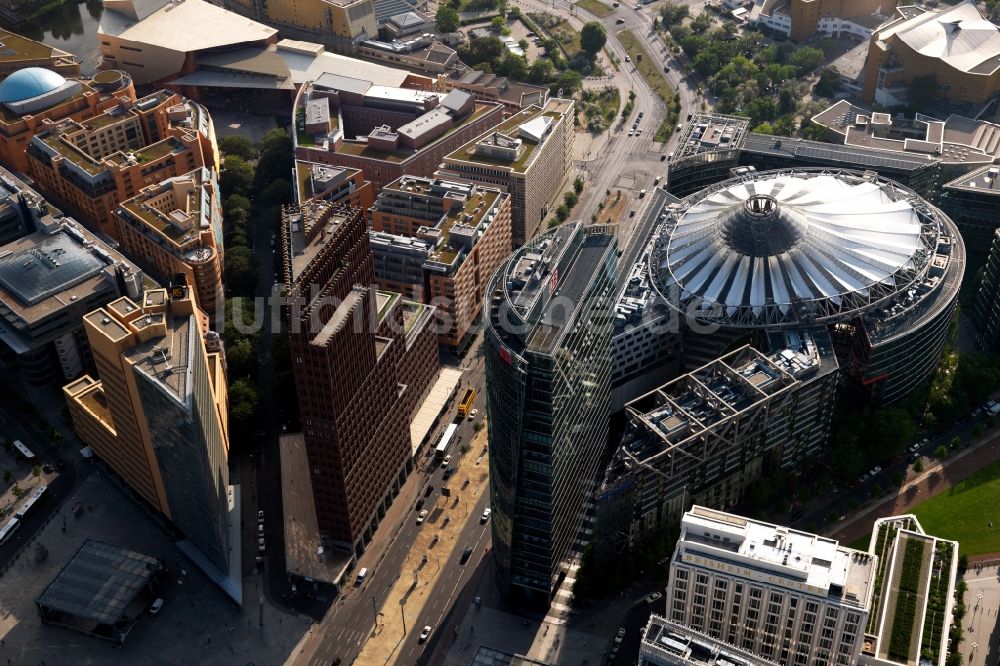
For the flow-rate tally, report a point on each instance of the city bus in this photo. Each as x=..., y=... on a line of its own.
x=33, y=499
x=442, y=446
x=465, y=406
x=25, y=451
x=8, y=529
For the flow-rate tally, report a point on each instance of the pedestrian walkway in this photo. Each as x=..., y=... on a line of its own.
x=937, y=477
x=436, y=543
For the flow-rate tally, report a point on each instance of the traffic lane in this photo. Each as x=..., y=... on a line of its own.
x=440, y=602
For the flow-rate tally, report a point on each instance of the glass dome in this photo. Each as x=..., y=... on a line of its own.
x=28, y=83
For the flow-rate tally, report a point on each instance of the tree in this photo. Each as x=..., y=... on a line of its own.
x=241, y=359
x=963, y=563
x=578, y=184
x=829, y=82
x=570, y=199
x=674, y=14
x=236, y=202
x=514, y=67
x=956, y=442
x=701, y=22
x=592, y=38
x=918, y=465
x=806, y=59
x=447, y=19
x=244, y=408
x=276, y=159
x=941, y=452
x=877, y=490
x=540, y=71
x=498, y=24
x=761, y=109
x=562, y=213
x=569, y=81
x=240, y=272
x=277, y=192
x=237, y=145
x=236, y=177
x=482, y=51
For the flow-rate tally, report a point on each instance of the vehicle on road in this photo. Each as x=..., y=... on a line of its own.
x=448, y=472
x=486, y=516
x=430, y=489
x=663, y=157
x=875, y=470
x=260, y=516
x=666, y=69
x=620, y=21
x=424, y=634
x=655, y=596
x=680, y=126
x=631, y=132
x=631, y=213
x=638, y=132
x=615, y=4
x=446, y=461
x=47, y=468
x=863, y=477
x=466, y=554
x=473, y=414
x=468, y=399
x=260, y=529
x=656, y=181
x=994, y=410
x=642, y=193
x=260, y=545
x=420, y=504
x=421, y=517
x=156, y=606
x=620, y=636
x=446, y=438
x=628, y=58
x=361, y=576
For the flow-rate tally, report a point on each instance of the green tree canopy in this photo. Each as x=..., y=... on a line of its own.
x=237, y=177
x=593, y=38
x=237, y=145
x=447, y=19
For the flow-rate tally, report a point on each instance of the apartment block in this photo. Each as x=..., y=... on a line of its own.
x=175, y=227
x=792, y=597
x=50, y=277
x=972, y=201
x=334, y=184
x=362, y=359
x=157, y=416
x=31, y=96
x=705, y=436
x=528, y=156
x=92, y=165
x=438, y=242
x=548, y=366
x=801, y=19
x=385, y=131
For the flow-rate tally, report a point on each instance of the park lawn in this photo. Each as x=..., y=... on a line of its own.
x=651, y=73
x=962, y=512
x=594, y=7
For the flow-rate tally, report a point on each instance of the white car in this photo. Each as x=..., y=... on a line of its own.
x=424, y=634
x=486, y=515
x=446, y=461
x=260, y=517
x=155, y=608
x=655, y=596
x=628, y=58
x=631, y=132
x=260, y=545
x=421, y=517
x=473, y=414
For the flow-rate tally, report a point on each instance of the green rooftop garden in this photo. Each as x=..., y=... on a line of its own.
x=24, y=49
x=901, y=637
x=75, y=155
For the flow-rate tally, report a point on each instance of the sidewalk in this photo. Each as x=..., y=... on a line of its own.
x=937, y=477
x=417, y=579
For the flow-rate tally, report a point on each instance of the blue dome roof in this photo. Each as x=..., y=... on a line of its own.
x=27, y=83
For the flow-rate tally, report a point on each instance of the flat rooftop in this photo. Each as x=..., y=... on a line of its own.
x=710, y=131
x=100, y=582
x=306, y=240
x=780, y=555
x=835, y=154
x=662, y=639
x=165, y=358
x=984, y=180
x=510, y=127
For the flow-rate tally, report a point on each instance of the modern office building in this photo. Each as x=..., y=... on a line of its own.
x=765, y=252
x=21, y=208
x=528, y=156
x=972, y=201
x=707, y=435
x=153, y=40
x=50, y=277
x=20, y=52
x=548, y=367
x=911, y=609
x=341, y=24
x=362, y=360
x=387, y=132
x=801, y=19
x=789, y=596
x=491, y=88
x=986, y=310
x=955, y=44
x=33, y=95
x=90, y=166
x=175, y=227
x=666, y=643
x=439, y=242
x=157, y=416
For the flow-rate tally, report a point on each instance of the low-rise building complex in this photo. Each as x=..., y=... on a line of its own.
x=528, y=155
x=439, y=242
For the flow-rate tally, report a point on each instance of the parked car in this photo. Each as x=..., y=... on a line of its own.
x=424, y=634
x=260, y=516
x=421, y=517
x=260, y=545
x=486, y=516
x=628, y=58
x=466, y=554
x=655, y=596
x=620, y=636
x=156, y=606
x=446, y=461
x=663, y=158
x=473, y=414
x=620, y=21
x=631, y=132
x=47, y=468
